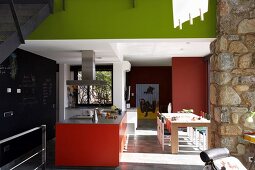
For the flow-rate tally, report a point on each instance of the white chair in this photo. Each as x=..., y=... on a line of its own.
x=169, y=108
x=164, y=136
x=158, y=129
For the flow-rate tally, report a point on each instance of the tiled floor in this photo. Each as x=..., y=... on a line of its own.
x=143, y=153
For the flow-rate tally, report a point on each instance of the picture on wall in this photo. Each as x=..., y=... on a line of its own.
x=147, y=99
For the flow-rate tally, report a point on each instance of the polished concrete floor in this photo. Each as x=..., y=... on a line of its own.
x=143, y=153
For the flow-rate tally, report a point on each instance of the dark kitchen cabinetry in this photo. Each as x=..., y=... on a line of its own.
x=30, y=103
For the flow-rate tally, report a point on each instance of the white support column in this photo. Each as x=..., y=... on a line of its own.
x=119, y=83
x=64, y=74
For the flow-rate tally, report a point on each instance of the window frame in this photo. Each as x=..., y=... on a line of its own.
x=76, y=69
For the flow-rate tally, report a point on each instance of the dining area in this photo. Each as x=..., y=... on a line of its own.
x=172, y=126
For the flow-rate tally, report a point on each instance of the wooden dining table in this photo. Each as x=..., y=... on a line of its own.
x=177, y=120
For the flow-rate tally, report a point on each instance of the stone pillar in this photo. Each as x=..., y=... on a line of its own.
x=232, y=76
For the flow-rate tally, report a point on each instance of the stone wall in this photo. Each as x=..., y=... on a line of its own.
x=232, y=86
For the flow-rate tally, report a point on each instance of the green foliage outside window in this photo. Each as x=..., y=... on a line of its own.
x=96, y=94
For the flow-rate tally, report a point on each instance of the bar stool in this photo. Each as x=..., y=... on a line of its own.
x=202, y=132
x=198, y=133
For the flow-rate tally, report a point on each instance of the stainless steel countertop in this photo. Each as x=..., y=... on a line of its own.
x=87, y=107
x=89, y=121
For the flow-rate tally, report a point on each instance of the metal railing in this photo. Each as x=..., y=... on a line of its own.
x=14, y=164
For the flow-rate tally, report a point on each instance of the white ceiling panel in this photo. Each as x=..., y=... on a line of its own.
x=140, y=52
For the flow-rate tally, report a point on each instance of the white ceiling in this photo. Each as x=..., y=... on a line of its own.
x=140, y=52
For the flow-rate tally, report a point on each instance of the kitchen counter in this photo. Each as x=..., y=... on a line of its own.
x=80, y=142
x=88, y=107
x=101, y=120
x=131, y=120
x=80, y=110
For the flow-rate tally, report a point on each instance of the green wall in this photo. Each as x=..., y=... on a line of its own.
x=116, y=19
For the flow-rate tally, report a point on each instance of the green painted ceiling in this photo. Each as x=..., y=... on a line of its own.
x=117, y=19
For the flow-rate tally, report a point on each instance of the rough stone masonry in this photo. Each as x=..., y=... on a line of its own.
x=232, y=76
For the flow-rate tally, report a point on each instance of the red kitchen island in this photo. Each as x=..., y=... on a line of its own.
x=80, y=142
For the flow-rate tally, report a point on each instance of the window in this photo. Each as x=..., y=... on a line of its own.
x=95, y=95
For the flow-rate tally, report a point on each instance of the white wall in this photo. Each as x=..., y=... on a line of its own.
x=119, y=83
x=64, y=74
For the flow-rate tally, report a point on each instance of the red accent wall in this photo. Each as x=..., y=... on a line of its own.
x=152, y=75
x=189, y=87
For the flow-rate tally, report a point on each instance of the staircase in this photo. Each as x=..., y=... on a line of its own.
x=18, y=18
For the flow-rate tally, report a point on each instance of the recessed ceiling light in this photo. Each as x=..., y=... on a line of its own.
x=187, y=42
